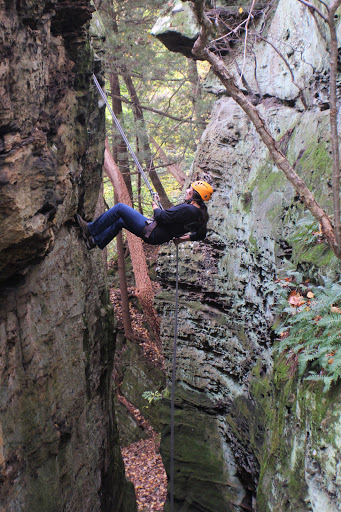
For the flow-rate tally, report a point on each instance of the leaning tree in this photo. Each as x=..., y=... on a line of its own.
x=203, y=49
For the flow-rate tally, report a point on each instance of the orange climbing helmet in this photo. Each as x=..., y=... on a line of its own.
x=204, y=189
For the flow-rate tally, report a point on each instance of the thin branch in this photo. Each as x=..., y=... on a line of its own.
x=301, y=94
x=255, y=76
x=174, y=94
x=257, y=34
x=324, y=3
x=333, y=110
x=311, y=6
x=242, y=77
x=245, y=41
x=151, y=109
x=232, y=31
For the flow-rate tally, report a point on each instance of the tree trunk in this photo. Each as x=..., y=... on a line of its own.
x=194, y=79
x=144, y=144
x=144, y=289
x=333, y=119
x=174, y=169
x=139, y=196
x=120, y=151
x=123, y=285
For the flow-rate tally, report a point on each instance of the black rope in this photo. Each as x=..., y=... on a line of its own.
x=120, y=129
x=171, y=470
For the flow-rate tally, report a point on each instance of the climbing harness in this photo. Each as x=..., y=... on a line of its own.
x=119, y=127
x=171, y=465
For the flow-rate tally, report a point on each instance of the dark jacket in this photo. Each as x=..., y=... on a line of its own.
x=175, y=222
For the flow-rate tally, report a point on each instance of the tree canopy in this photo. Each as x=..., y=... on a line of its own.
x=167, y=87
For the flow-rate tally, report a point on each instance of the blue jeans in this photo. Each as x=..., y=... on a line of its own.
x=110, y=223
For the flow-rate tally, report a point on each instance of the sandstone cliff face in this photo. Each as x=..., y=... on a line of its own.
x=248, y=435
x=58, y=440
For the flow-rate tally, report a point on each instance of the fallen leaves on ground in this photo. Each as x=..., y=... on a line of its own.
x=143, y=465
x=295, y=299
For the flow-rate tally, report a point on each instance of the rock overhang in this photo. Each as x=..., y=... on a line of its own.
x=178, y=28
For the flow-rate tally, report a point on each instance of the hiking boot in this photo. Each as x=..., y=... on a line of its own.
x=89, y=241
x=83, y=225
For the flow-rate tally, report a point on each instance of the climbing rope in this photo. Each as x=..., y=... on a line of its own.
x=176, y=290
x=171, y=469
x=120, y=129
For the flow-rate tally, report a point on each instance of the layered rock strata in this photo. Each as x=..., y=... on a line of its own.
x=248, y=435
x=59, y=447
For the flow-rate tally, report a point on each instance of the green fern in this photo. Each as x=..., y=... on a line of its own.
x=312, y=330
x=306, y=233
x=152, y=396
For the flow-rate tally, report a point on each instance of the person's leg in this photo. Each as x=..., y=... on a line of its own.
x=104, y=221
x=102, y=239
x=108, y=225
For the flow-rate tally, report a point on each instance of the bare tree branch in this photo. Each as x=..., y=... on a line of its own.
x=311, y=6
x=155, y=110
x=173, y=168
x=245, y=40
x=324, y=3
x=331, y=10
x=288, y=66
x=232, y=31
x=245, y=82
x=255, y=76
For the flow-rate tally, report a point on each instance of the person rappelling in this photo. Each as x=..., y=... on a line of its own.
x=181, y=223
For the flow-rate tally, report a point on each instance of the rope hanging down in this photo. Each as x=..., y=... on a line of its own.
x=171, y=469
x=119, y=127
x=176, y=292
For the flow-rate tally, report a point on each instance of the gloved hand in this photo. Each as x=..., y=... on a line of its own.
x=156, y=200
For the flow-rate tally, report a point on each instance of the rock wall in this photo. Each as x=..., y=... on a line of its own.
x=248, y=435
x=59, y=447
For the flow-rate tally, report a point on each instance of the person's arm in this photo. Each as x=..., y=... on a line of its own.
x=176, y=214
x=155, y=205
x=198, y=235
x=180, y=213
